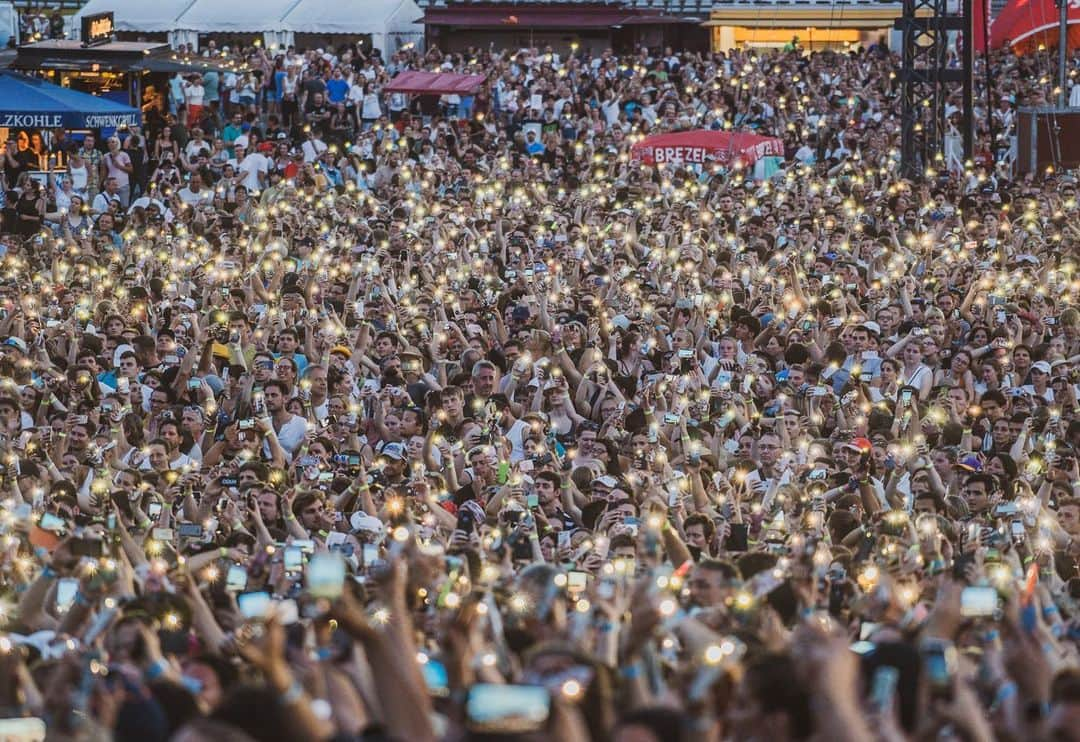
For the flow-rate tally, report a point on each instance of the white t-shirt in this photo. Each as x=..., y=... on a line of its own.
x=195, y=145
x=290, y=436
x=252, y=165
x=191, y=198
x=194, y=93
x=312, y=149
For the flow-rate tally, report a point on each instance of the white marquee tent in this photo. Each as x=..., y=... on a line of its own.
x=391, y=23
x=149, y=16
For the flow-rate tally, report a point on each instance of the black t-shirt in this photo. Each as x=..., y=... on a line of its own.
x=314, y=85
x=26, y=160
x=318, y=113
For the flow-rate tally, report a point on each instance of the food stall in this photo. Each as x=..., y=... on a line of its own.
x=32, y=111
x=99, y=64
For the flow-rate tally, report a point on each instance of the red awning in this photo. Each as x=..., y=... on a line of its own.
x=523, y=17
x=434, y=83
x=702, y=146
x=1024, y=24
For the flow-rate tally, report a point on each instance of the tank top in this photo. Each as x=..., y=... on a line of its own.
x=78, y=178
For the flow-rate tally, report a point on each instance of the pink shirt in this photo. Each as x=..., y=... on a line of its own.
x=112, y=162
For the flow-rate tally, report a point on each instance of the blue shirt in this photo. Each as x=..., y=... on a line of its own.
x=336, y=90
x=300, y=360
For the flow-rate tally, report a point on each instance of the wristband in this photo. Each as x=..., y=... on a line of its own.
x=223, y=552
x=1004, y=693
x=293, y=694
x=290, y=516
x=81, y=599
x=48, y=573
x=1036, y=711
x=156, y=670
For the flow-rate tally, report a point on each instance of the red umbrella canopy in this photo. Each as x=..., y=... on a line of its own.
x=705, y=146
x=1024, y=24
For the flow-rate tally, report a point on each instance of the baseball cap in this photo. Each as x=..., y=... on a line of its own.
x=281, y=136
x=121, y=350
x=871, y=326
x=361, y=521
x=1042, y=366
x=862, y=445
x=17, y=343
x=393, y=451
x=969, y=463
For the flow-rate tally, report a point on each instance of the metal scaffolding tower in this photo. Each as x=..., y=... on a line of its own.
x=926, y=80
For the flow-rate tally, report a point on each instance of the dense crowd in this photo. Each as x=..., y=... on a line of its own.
x=328, y=413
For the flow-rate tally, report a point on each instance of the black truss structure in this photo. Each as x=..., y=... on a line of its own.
x=926, y=81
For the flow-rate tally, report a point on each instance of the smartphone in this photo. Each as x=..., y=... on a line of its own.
x=50, y=522
x=305, y=545
x=369, y=554
x=939, y=665
x=254, y=606
x=686, y=360
x=287, y=612
x=465, y=522
x=1006, y=509
x=293, y=559
x=576, y=581
x=236, y=579
x=162, y=534
x=507, y=709
x=26, y=729
x=88, y=547
x=190, y=530
x=883, y=687
x=66, y=588
x=153, y=510
x=325, y=575
x=436, y=678
x=123, y=385
x=978, y=601
x=905, y=396
x=532, y=501
x=739, y=538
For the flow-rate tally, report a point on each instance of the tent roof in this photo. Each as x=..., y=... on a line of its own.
x=27, y=102
x=299, y=16
x=333, y=16
x=436, y=83
x=1028, y=23
x=138, y=15
x=217, y=16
